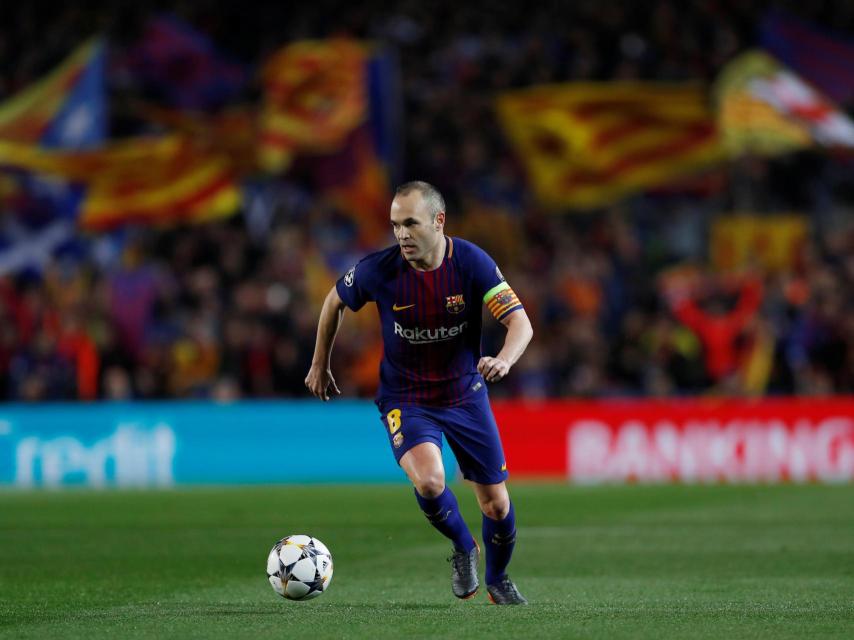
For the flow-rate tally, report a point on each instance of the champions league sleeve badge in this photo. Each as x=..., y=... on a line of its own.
x=350, y=276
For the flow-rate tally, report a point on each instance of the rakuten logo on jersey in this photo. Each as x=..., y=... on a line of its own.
x=417, y=335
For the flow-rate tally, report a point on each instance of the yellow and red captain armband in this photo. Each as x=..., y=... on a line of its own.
x=501, y=300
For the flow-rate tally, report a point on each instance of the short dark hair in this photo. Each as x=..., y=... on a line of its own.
x=430, y=194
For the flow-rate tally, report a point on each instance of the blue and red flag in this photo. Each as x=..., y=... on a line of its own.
x=823, y=58
x=176, y=66
x=357, y=179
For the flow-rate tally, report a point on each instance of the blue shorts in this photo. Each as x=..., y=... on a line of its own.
x=469, y=428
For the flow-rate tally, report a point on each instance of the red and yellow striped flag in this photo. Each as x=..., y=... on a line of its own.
x=177, y=182
x=590, y=144
x=144, y=180
x=231, y=131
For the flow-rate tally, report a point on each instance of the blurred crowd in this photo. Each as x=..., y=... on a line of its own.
x=625, y=301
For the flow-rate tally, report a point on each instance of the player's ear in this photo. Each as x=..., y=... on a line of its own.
x=439, y=220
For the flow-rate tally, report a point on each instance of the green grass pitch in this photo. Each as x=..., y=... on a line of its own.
x=596, y=562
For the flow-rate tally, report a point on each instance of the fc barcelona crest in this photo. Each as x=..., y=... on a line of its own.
x=504, y=297
x=455, y=304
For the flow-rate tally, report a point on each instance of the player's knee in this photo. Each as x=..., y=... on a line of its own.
x=495, y=509
x=430, y=486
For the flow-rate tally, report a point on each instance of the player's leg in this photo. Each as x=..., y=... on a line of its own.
x=499, y=540
x=423, y=464
x=416, y=441
x=473, y=435
x=499, y=528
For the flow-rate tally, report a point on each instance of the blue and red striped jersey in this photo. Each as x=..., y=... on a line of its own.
x=431, y=320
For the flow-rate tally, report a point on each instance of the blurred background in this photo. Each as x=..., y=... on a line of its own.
x=183, y=182
x=667, y=185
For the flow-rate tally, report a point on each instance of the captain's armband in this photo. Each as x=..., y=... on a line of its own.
x=501, y=300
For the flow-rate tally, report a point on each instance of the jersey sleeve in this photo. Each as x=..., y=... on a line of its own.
x=354, y=287
x=490, y=284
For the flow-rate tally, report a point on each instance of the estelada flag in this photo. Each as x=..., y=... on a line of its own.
x=66, y=108
x=587, y=145
x=765, y=108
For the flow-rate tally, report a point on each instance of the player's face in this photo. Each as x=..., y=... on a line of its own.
x=416, y=231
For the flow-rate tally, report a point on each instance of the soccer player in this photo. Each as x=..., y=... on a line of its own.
x=429, y=289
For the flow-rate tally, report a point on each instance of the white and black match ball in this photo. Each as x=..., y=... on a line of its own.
x=299, y=567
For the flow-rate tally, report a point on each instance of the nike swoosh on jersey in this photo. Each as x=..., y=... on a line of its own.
x=394, y=307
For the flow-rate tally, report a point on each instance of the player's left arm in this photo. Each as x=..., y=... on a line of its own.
x=519, y=334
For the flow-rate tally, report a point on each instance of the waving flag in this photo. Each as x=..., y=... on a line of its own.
x=66, y=109
x=159, y=181
x=356, y=178
x=765, y=108
x=52, y=140
x=356, y=181
x=385, y=109
x=23, y=247
x=823, y=59
x=177, y=66
x=231, y=131
x=143, y=180
x=588, y=145
x=314, y=98
x=335, y=105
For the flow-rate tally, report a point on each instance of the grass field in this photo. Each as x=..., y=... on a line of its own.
x=598, y=562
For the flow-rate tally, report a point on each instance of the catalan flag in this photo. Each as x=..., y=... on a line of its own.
x=590, y=144
x=765, y=108
x=174, y=181
x=314, y=98
x=144, y=180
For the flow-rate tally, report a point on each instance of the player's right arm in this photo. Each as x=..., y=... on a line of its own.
x=319, y=377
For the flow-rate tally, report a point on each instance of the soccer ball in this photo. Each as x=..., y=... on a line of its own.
x=299, y=567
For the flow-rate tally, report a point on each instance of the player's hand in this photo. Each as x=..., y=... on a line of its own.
x=493, y=369
x=318, y=381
